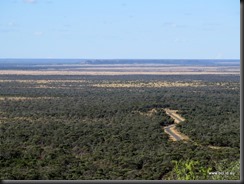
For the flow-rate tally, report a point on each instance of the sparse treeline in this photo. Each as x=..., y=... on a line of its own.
x=66, y=129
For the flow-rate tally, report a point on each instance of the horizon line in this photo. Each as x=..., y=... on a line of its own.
x=131, y=58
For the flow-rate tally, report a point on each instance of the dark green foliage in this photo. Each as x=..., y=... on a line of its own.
x=86, y=132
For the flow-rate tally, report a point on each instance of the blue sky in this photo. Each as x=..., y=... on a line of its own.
x=112, y=29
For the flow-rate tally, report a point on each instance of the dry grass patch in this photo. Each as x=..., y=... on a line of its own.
x=217, y=147
x=25, y=98
x=45, y=81
x=157, y=84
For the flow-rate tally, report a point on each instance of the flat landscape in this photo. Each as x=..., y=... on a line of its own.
x=117, y=67
x=104, y=120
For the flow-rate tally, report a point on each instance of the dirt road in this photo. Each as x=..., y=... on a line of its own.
x=172, y=114
x=174, y=134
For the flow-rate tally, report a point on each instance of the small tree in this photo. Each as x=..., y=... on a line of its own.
x=188, y=170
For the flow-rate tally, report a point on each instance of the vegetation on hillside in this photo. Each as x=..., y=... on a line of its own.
x=64, y=127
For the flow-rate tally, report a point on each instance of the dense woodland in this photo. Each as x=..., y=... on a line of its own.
x=67, y=128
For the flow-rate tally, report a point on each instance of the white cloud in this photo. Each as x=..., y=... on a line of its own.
x=38, y=33
x=174, y=25
x=219, y=56
x=180, y=40
x=168, y=24
x=11, y=24
x=30, y=1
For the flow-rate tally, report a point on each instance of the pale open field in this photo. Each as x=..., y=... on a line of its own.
x=127, y=70
x=66, y=84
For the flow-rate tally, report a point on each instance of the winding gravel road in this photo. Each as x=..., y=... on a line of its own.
x=170, y=130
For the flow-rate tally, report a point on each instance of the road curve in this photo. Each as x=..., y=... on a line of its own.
x=173, y=116
x=169, y=131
